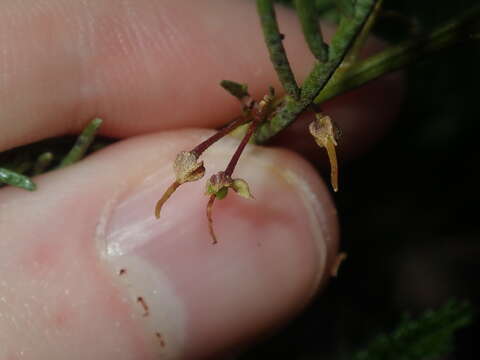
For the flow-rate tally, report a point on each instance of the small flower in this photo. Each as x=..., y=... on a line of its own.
x=217, y=187
x=186, y=169
x=219, y=183
x=322, y=130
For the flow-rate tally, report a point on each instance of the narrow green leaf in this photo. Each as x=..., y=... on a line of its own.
x=408, y=52
x=321, y=73
x=81, y=145
x=15, y=179
x=273, y=39
x=238, y=90
x=312, y=32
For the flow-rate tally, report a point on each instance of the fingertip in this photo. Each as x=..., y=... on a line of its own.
x=132, y=284
x=271, y=254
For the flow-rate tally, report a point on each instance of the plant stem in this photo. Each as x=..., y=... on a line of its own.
x=200, y=148
x=236, y=156
x=354, y=52
x=352, y=55
x=312, y=32
x=344, y=38
x=409, y=52
x=321, y=73
x=462, y=28
x=15, y=179
x=273, y=39
x=81, y=145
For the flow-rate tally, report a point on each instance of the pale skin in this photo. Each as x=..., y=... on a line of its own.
x=77, y=255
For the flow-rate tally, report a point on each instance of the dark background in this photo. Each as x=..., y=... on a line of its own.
x=409, y=217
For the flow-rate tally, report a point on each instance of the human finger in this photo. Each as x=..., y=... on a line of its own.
x=143, y=66
x=89, y=273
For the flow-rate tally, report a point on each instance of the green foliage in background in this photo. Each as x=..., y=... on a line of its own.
x=429, y=337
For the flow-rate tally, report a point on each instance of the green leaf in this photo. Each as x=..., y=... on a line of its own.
x=82, y=144
x=238, y=90
x=13, y=178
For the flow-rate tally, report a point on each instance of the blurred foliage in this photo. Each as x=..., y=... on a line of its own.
x=427, y=338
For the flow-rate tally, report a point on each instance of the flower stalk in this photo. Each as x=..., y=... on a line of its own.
x=218, y=185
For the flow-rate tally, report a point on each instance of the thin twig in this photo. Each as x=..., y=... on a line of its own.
x=200, y=148
x=236, y=156
x=81, y=145
x=457, y=31
x=312, y=32
x=273, y=39
x=343, y=40
x=352, y=56
x=13, y=178
x=347, y=33
x=462, y=29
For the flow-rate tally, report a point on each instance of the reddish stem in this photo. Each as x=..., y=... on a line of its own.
x=210, y=219
x=236, y=156
x=200, y=148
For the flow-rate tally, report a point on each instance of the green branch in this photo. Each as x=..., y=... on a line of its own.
x=344, y=38
x=312, y=32
x=273, y=39
x=16, y=179
x=362, y=37
x=459, y=30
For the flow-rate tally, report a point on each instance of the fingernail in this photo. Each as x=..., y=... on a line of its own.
x=203, y=298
